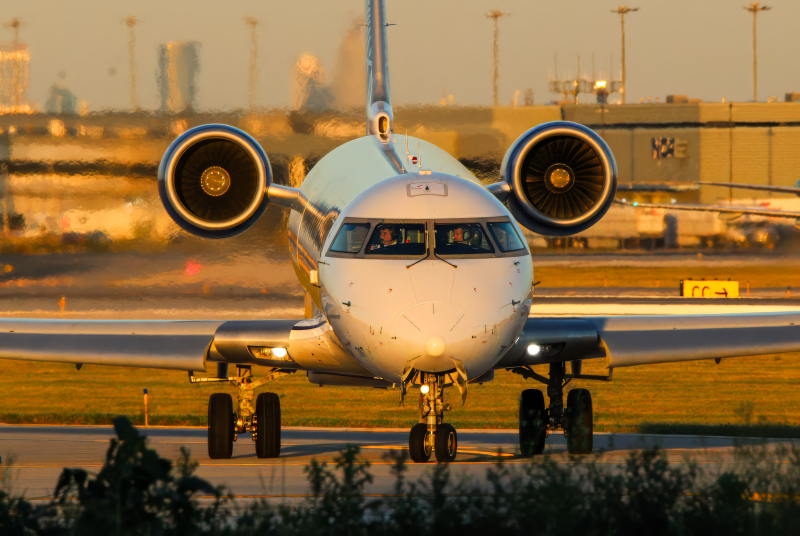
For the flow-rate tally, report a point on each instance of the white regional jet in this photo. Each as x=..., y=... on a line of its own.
x=420, y=279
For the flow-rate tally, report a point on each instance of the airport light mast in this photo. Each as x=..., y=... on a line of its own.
x=494, y=15
x=754, y=8
x=15, y=24
x=622, y=10
x=252, y=79
x=131, y=22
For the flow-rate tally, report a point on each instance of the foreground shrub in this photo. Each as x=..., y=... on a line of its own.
x=139, y=493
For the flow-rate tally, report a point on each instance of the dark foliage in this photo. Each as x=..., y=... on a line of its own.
x=139, y=493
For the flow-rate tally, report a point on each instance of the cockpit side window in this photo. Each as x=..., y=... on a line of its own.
x=397, y=239
x=350, y=238
x=505, y=236
x=462, y=239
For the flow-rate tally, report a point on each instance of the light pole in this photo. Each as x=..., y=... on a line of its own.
x=252, y=79
x=494, y=15
x=754, y=9
x=131, y=23
x=15, y=24
x=621, y=11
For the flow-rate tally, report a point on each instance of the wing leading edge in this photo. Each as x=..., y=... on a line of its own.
x=641, y=340
x=178, y=344
x=736, y=210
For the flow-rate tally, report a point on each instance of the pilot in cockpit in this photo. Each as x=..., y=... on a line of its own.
x=458, y=236
x=387, y=237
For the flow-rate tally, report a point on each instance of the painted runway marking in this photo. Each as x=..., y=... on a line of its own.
x=464, y=451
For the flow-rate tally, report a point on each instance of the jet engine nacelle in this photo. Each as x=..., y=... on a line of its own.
x=563, y=178
x=213, y=181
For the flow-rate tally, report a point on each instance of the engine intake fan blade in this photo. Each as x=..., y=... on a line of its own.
x=216, y=180
x=213, y=181
x=563, y=177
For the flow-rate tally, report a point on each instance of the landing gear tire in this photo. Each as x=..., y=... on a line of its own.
x=220, y=426
x=578, y=425
x=268, y=425
x=418, y=448
x=446, y=443
x=532, y=422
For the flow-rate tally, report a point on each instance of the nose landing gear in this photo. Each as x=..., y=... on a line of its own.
x=432, y=434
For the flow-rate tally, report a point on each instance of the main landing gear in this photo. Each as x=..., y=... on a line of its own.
x=263, y=420
x=432, y=434
x=536, y=420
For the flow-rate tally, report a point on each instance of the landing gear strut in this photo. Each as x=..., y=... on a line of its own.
x=535, y=421
x=263, y=421
x=432, y=434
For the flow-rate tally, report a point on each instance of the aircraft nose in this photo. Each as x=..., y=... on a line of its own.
x=434, y=346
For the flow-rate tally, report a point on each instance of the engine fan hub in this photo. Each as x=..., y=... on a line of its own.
x=559, y=178
x=215, y=181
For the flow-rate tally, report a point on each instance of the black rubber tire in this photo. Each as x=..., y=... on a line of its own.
x=268, y=425
x=220, y=426
x=416, y=444
x=532, y=422
x=578, y=422
x=445, y=443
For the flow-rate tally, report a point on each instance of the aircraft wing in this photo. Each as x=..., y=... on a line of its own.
x=178, y=344
x=719, y=209
x=759, y=187
x=642, y=340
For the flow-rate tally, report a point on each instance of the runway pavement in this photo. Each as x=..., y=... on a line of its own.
x=41, y=452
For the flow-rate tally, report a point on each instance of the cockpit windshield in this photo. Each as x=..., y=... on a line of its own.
x=505, y=236
x=414, y=239
x=397, y=239
x=461, y=239
x=350, y=238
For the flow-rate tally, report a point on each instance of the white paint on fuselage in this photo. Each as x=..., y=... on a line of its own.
x=478, y=308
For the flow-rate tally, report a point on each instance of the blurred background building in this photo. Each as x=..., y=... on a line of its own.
x=178, y=66
x=60, y=99
x=15, y=62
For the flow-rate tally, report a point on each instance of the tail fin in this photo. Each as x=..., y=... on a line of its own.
x=379, y=106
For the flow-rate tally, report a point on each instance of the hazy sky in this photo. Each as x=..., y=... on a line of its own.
x=702, y=48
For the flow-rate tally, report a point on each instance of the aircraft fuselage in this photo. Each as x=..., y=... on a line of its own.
x=449, y=285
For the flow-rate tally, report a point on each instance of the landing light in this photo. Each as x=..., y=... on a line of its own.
x=261, y=352
x=534, y=349
x=424, y=389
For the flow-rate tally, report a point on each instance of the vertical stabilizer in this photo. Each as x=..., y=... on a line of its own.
x=379, y=107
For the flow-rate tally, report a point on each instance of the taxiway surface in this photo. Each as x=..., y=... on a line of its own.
x=39, y=454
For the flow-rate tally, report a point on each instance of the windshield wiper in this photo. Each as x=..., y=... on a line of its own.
x=429, y=251
x=444, y=261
